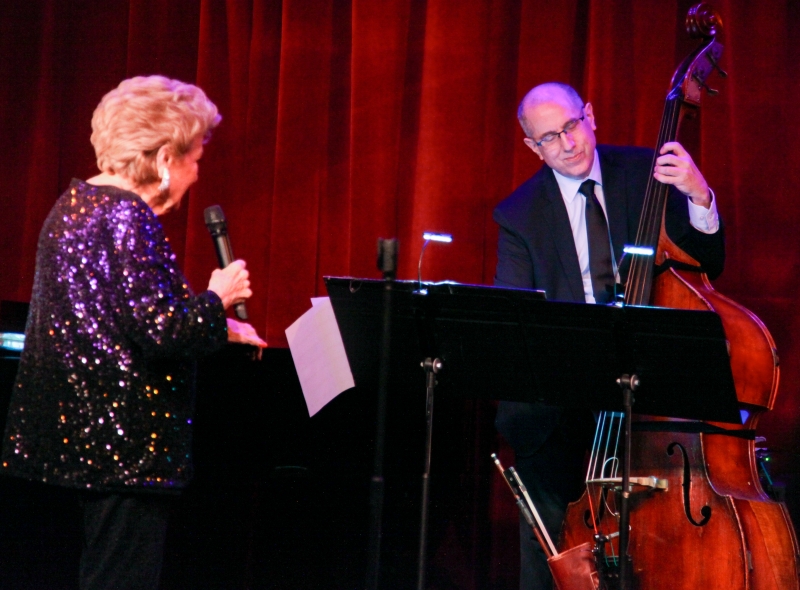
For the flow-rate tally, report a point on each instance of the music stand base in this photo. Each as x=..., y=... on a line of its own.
x=431, y=366
x=628, y=385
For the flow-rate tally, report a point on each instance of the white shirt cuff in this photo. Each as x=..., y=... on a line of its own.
x=702, y=219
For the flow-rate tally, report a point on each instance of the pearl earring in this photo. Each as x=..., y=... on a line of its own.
x=164, y=186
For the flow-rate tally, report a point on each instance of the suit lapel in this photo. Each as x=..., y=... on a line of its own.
x=554, y=212
x=616, y=197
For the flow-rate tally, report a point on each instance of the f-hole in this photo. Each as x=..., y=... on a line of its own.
x=705, y=511
x=601, y=511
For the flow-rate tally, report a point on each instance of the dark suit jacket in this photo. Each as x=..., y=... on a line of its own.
x=536, y=250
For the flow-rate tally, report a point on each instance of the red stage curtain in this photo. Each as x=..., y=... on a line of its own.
x=345, y=121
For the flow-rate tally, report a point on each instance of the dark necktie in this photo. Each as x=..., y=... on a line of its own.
x=599, y=245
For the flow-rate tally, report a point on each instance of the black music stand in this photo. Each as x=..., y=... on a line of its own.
x=510, y=344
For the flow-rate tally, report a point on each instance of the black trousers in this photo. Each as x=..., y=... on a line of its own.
x=124, y=537
x=550, y=446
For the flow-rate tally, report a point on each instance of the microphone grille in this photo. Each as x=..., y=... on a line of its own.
x=214, y=215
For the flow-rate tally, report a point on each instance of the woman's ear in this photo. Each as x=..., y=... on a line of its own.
x=163, y=158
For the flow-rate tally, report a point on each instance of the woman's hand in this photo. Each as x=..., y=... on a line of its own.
x=231, y=283
x=242, y=333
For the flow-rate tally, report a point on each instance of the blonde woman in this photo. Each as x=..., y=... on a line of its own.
x=103, y=397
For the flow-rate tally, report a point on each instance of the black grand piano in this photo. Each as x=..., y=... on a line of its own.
x=280, y=500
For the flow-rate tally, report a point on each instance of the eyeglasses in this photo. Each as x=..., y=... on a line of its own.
x=569, y=127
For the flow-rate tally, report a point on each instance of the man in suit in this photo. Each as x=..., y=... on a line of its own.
x=563, y=231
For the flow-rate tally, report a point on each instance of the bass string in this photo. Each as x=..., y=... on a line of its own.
x=652, y=209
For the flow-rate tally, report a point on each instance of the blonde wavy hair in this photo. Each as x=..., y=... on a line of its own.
x=144, y=113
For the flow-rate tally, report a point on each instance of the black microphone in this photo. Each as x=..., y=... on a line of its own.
x=218, y=228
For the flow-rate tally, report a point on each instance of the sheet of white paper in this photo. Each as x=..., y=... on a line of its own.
x=319, y=356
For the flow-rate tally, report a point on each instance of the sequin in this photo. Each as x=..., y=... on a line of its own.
x=112, y=323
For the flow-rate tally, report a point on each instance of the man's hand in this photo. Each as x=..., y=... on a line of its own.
x=675, y=166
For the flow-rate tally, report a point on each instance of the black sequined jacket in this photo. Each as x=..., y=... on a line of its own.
x=104, y=393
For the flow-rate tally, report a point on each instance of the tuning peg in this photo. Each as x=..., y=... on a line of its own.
x=702, y=84
x=715, y=63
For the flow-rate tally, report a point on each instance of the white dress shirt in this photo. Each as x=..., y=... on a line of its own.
x=702, y=219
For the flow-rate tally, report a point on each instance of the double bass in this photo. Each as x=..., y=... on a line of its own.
x=704, y=521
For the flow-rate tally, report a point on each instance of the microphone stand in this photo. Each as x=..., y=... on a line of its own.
x=387, y=264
